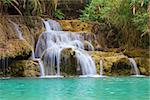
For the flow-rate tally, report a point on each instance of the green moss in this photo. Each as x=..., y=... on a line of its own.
x=23, y=68
x=68, y=62
x=137, y=53
x=144, y=65
x=113, y=63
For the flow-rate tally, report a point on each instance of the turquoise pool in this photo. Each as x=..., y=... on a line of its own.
x=113, y=88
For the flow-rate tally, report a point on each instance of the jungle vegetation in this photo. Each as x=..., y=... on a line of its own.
x=131, y=18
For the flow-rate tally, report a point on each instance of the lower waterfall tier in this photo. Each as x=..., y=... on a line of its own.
x=114, y=64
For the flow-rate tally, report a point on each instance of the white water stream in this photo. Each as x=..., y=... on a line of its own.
x=53, y=41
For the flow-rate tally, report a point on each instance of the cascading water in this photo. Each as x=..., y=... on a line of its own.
x=101, y=67
x=20, y=36
x=41, y=67
x=86, y=63
x=134, y=67
x=53, y=41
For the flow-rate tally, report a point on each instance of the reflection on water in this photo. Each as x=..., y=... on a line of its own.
x=75, y=89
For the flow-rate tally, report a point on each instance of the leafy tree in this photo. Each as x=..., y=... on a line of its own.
x=59, y=14
x=128, y=16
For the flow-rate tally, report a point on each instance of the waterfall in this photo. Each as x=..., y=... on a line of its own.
x=101, y=67
x=51, y=43
x=134, y=66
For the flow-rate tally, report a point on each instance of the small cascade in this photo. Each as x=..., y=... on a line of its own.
x=19, y=33
x=41, y=67
x=101, y=67
x=47, y=26
x=89, y=46
x=20, y=36
x=134, y=66
x=3, y=64
x=33, y=54
x=51, y=43
x=54, y=25
x=32, y=47
x=86, y=63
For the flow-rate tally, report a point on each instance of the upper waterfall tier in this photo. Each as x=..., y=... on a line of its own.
x=51, y=43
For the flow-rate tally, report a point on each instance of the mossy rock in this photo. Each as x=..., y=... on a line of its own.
x=23, y=68
x=75, y=26
x=143, y=65
x=68, y=62
x=121, y=67
x=137, y=53
x=115, y=64
x=10, y=44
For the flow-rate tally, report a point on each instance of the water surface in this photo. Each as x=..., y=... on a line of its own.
x=123, y=88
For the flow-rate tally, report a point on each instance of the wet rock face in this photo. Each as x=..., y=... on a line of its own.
x=10, y=44
x=117, y=64
x=114, y=64
x=75, y=26
x=12, y=48
x=143, y=65
x=68, y=62
x=121, y=68
x=22, y=68
x=142, y=59
x=86, y=30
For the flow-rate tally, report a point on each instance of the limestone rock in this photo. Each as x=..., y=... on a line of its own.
x=113, y=63
x=144, y=65
x=23, y=68
x=68, y=62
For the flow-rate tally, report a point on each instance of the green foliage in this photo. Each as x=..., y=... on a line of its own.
x=6, y=1
x=128, y=16
x=117, y=12
x=59, y=14
x=92, y=11
x=30, y=7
